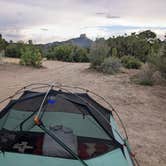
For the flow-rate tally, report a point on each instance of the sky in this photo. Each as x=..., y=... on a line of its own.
x=46, y=21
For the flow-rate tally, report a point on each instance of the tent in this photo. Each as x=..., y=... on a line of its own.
x=57, y=126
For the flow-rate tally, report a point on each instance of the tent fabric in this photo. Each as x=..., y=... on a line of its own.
x=76, y=110
x=31, y=101
x=59, y=101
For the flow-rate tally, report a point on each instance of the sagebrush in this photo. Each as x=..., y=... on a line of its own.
x=145, y=75
x=111, y=65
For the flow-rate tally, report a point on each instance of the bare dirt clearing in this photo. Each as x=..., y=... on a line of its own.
x=143, y=109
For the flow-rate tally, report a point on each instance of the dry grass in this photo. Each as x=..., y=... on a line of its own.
x=11, y=60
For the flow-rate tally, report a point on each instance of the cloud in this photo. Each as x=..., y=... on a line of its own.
x=44, y=29
x=112, y=17
x=43, y=21
x=116, y=30
x=107, y=15
x=100, y=13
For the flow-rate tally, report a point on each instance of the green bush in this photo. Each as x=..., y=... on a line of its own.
x=98, y=52
x=50, y=55
x=68, y=53
x=13, y=50
x=60, y=53
x=31, y=56
x=130, y=62
x=79, y=55
x=63, y=53
x=110, y=65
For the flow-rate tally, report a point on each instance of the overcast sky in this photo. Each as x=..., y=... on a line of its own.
x=56, y=20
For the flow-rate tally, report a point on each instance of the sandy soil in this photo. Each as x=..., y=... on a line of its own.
x=143, y=109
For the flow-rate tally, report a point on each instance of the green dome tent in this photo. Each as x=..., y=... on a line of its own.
x=48, y=125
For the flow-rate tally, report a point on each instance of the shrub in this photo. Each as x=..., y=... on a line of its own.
x=31, y=56
x=145, y=75
x=130, y=62
x=110, y=65
x=98, y=52
x=79, y=55
x=13, y=50
x=63, y=53
x=154, y=71
x=50, y=55
x=68, y=53
x=2, y=53
x=159, y=61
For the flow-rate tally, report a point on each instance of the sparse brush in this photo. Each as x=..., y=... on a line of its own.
x=159, y=61
x=153, y=72
x=145, y=76
x=111, y=65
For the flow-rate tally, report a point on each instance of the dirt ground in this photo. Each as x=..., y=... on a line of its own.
x=142, y=108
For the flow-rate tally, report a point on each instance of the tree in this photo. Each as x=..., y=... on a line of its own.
x=98, y=52
x=148, y=34
x=159, y=60
x=133, y=45
x=13, y=50
x=30, y=42
x=2, y=53
x=3, y=43
x=133, y=33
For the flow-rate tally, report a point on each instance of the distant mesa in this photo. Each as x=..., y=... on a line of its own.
x=82, y=41
x=83, y=35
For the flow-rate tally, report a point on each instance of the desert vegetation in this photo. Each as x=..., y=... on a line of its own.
x=154, y=71
x=28, y=53
x=131, y=62
x=68, y=53
x=31, y=56
x=137, y=50
x=143, y=50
